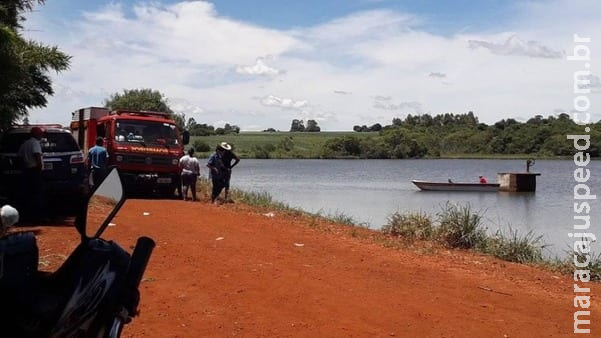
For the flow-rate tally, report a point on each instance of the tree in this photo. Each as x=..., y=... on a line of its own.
x=24, y=65
x=138, y=99
x=231, y=129
x=144, y=99
x=191, y=123
x=312, y=126
x=376, y=127
x=297, y=125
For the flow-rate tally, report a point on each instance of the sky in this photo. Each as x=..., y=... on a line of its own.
x=261, y=64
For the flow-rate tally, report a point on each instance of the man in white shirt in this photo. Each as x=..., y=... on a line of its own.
x=190, y=168
x=30, y=154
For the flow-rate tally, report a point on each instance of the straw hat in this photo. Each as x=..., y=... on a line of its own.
x=225, y=146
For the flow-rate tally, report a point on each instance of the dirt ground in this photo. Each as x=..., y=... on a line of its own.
x=231, y=270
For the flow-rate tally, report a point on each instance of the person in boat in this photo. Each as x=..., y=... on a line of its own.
x=483, y=179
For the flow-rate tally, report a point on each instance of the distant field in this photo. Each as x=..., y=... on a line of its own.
x=276, y=144
x=304, y=145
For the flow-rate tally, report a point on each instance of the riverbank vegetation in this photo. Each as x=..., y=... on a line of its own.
x=461, y=227
x=455, y=226
x=421, y=136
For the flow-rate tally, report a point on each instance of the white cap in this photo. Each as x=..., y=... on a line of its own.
x=9, y=215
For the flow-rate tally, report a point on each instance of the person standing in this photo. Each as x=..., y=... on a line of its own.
x=228, y=157
x=217, y=172
x=30, y=153
x=190, y=169
x=97, y=161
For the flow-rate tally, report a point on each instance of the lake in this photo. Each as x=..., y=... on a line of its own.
x=370, y=191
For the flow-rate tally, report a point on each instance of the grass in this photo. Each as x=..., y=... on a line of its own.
x=566, y=265
x=411, y=226
x=273, y=145
x=514, y=247
x=458, y=226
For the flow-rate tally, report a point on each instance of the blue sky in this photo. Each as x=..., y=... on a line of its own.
x=260, y=64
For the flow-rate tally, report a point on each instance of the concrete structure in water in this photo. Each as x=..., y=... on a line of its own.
x=518, y=182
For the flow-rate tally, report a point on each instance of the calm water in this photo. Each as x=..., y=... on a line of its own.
x=371, y=190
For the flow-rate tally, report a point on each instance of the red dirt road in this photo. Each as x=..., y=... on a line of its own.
x=230, y=270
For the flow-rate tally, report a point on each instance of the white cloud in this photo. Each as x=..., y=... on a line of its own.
x=386, y=103
x=437, y=75
x=274, y=101
x=259, y=68
x=516, y=46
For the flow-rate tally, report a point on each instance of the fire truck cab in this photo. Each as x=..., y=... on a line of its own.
x=145, y=146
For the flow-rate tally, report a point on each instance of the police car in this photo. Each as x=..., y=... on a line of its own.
x=64, y=171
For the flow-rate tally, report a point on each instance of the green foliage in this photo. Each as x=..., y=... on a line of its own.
x=449, y=134
x=419, y=136
x=513, y=247
x=409, y=226
x=278, y=144
x=200, y=146
x=566, y=265
x=144, y=99
x=138, y=99
x=299, y=126
x=340, y=217
x=24, y=65
x=460, y=227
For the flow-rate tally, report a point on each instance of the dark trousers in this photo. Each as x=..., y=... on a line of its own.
x=97, y=176
x=189, y=181
x=218, y=185
x=32, y=197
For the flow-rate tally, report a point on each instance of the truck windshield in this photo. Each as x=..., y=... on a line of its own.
x=146, y=133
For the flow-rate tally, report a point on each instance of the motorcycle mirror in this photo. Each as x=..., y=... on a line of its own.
x=186, y=137
x=103, y=204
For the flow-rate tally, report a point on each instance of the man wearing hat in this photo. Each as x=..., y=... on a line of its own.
x=30, y=154
x=217, y=172
x=227, y=158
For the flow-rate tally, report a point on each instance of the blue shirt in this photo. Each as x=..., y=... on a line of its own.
x=216, y=161
x=98, y=157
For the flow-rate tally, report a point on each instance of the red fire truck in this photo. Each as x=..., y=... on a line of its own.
x=145, y=146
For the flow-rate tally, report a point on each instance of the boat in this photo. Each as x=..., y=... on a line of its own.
x=456, y=186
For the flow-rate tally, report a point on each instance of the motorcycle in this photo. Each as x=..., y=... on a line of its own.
x=94, y=293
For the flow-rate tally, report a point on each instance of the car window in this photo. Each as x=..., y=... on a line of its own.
x=11, y=142
x=58, y=143
x=50, y=142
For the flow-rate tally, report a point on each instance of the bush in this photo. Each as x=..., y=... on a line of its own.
x=515, y=248
x=460, y=227
x=410, y=226
x=201, y=146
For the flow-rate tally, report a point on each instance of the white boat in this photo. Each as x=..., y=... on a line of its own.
x=456, y=186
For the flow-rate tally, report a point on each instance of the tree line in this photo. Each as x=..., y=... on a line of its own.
x=419, y=136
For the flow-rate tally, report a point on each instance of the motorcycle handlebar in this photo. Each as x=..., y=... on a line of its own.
x=137, y=266
x=139, y=260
